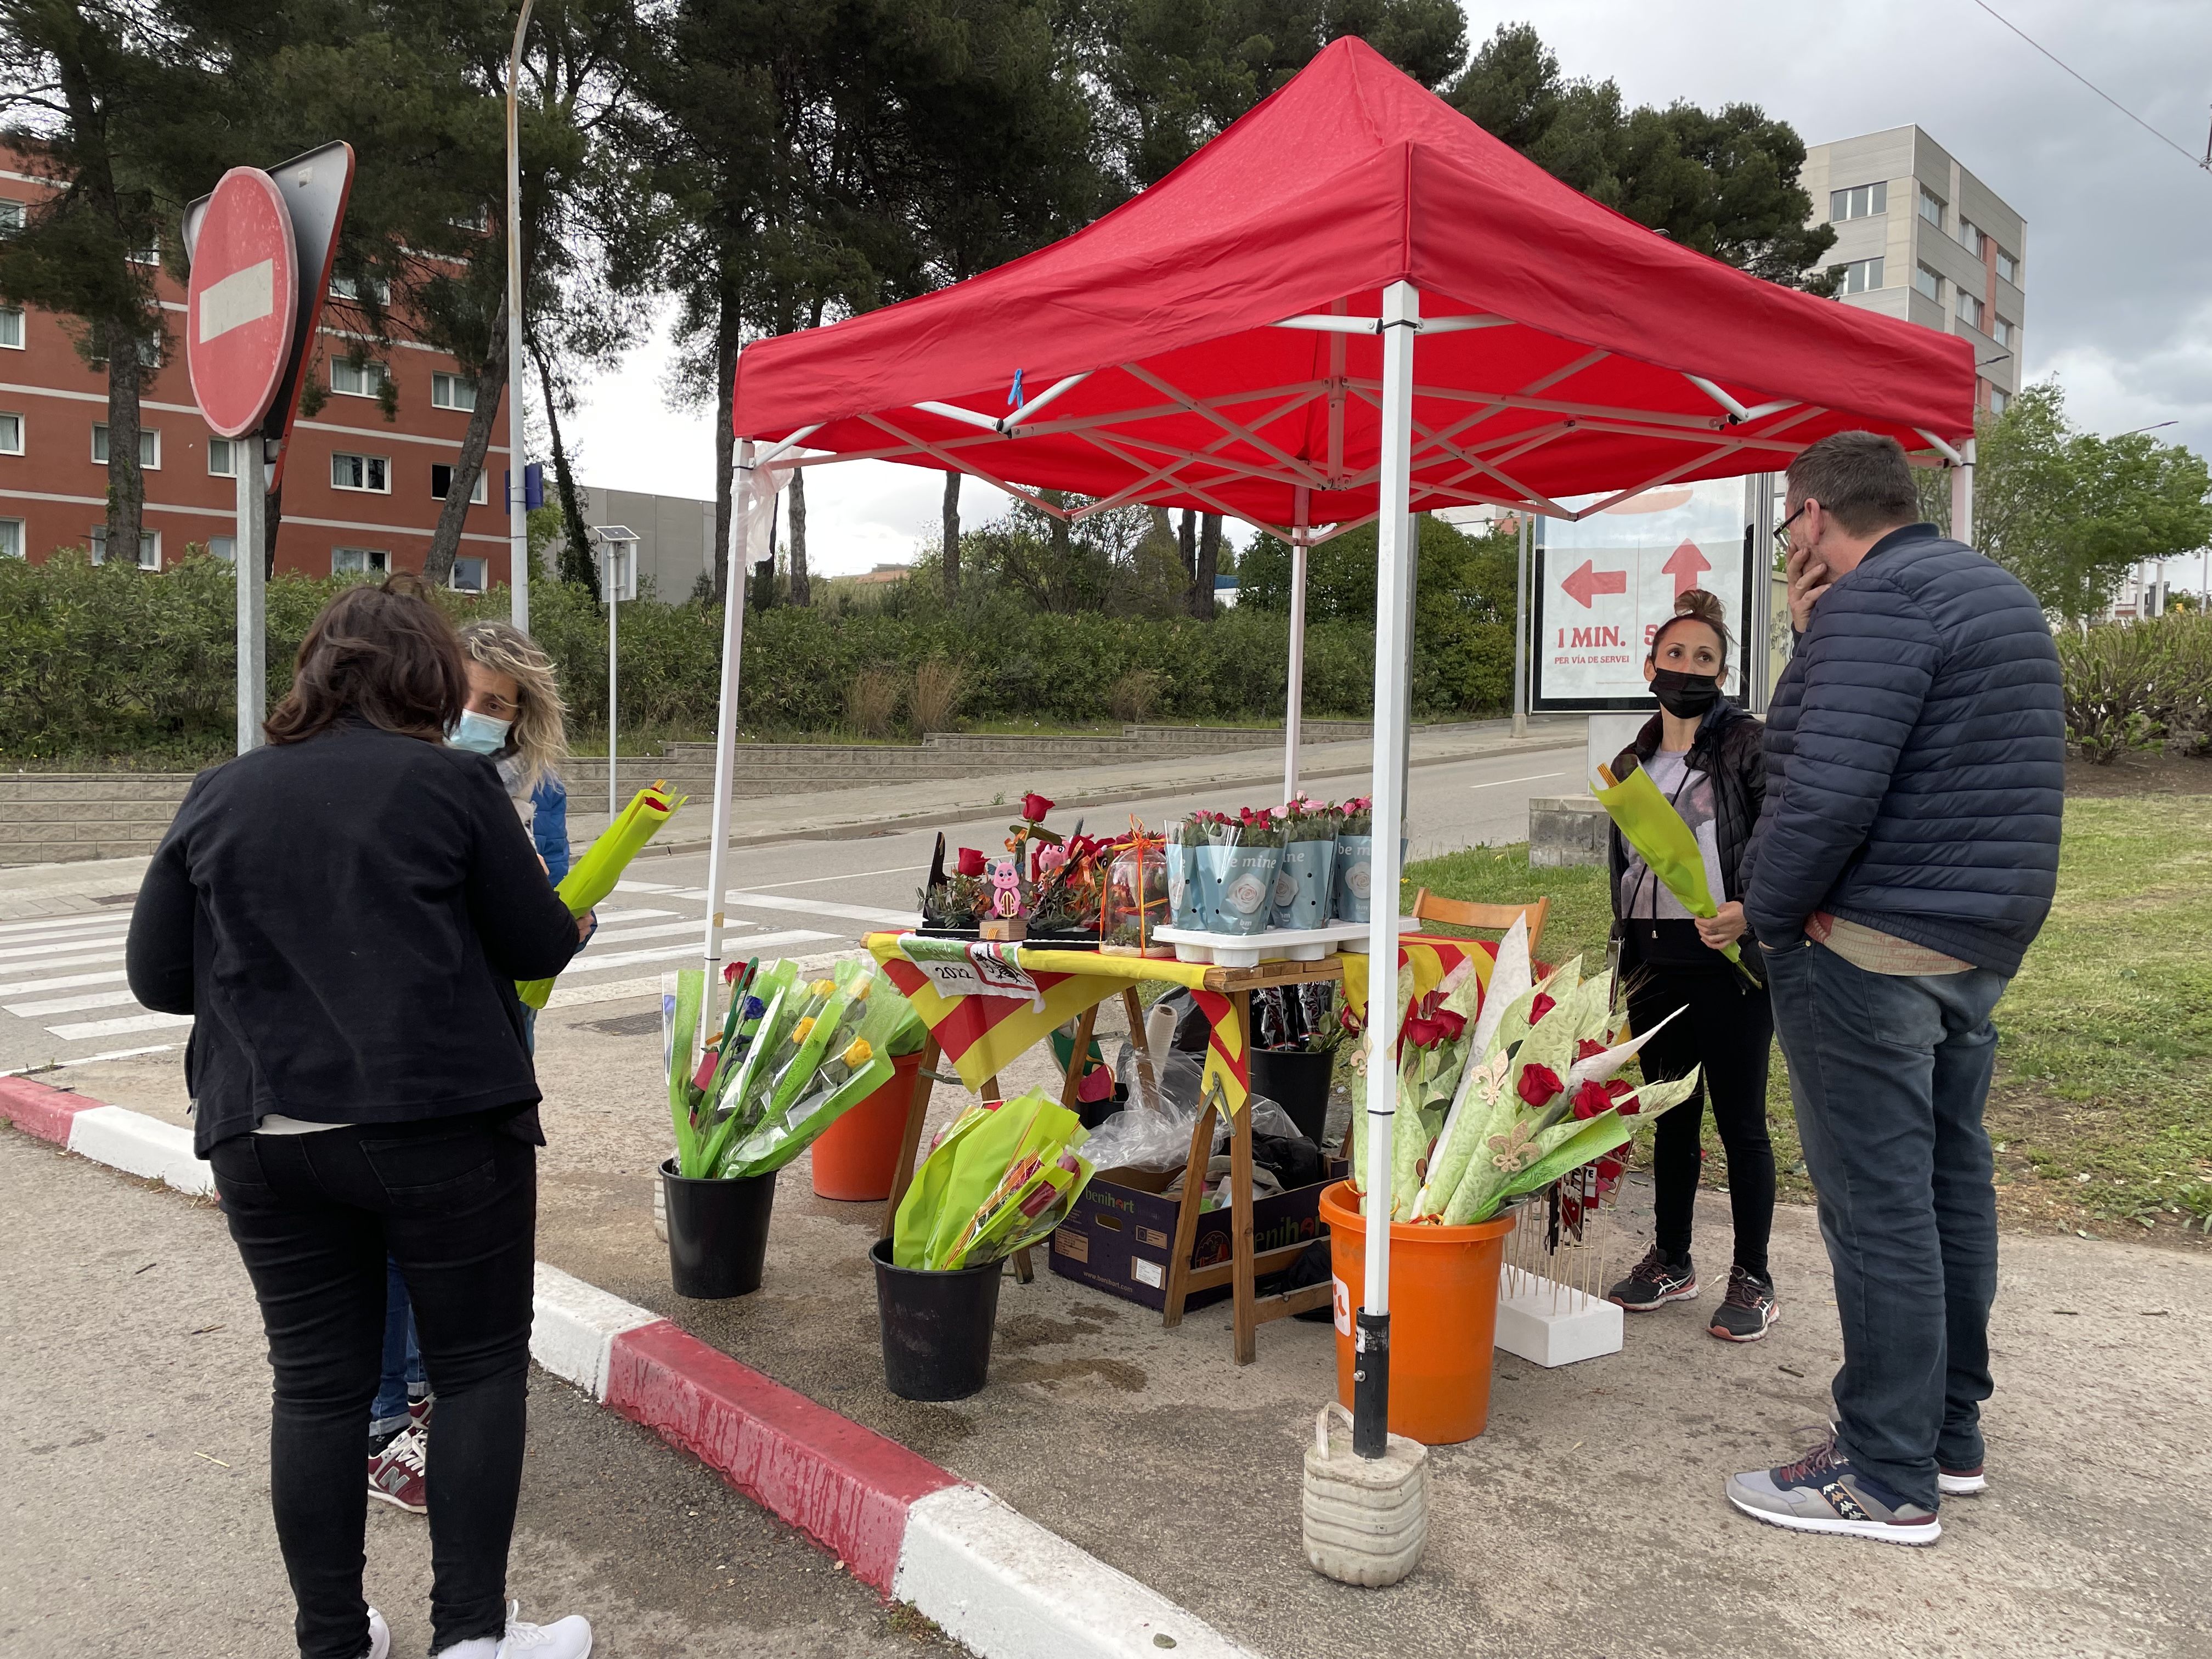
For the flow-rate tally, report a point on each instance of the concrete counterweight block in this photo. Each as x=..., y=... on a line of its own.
x=1565, y=831
x=1366, y=1519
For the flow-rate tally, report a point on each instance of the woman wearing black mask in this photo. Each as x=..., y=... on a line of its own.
x=1703, y=753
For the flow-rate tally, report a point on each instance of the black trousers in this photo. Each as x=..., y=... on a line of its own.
x=314, y=1215
x=1727, y=1026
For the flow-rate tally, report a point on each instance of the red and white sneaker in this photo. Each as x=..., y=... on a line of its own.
x=418, y=1410
x=1962, y=1482
x=398, y=1475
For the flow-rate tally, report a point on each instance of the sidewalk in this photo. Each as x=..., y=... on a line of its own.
x=1588, y=1519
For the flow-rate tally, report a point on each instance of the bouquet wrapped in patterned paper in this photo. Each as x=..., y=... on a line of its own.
x=1001, y=1177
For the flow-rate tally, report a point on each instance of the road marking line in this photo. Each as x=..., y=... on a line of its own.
x=73, y=1004
x=67, y=982
x=115, y=954
x=66, y=924
x=100, y=1027
x=803, y=907
x=644, y=887
x=1533, y=777
x=16, y=952
x=662, y=930
x=815, y=881
x=90, y=1060
x=750, y=944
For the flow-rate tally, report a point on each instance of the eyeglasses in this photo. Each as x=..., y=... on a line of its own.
x=1782, y=530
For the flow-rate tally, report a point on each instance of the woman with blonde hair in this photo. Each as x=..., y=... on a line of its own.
x=513, y=715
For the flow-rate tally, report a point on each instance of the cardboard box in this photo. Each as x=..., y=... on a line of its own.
x=1121, y=1233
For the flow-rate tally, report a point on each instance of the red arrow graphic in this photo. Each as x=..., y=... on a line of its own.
x=1685, y=564
x=1585, y=584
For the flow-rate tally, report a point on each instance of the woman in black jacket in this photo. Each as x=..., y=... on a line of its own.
x=344, y=912
x=1703, y=753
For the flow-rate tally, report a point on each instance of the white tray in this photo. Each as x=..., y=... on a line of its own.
x=1272, y=945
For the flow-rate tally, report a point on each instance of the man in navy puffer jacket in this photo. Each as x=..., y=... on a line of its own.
x=1905, y=861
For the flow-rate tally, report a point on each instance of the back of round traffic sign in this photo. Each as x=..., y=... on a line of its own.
x=243, y=301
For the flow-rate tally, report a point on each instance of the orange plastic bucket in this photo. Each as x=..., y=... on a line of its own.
x=856, y=1157
x=1443, y=1316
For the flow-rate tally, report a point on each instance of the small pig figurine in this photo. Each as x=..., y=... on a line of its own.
x=1005, y=920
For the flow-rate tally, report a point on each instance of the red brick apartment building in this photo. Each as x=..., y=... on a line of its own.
x=361, y=492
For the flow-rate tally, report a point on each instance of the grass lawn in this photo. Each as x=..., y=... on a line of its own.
x=2102, y=1108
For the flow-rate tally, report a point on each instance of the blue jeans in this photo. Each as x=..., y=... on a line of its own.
x=403, y=1375
x=1889, y=1073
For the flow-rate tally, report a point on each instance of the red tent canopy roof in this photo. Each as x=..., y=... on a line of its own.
x=1568, y=372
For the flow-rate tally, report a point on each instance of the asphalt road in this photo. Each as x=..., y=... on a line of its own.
x=62, y=997
x=134, y=1460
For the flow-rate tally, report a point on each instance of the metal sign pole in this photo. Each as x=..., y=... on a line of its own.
x=253, y=589
x=517, y=514
x=614, y=604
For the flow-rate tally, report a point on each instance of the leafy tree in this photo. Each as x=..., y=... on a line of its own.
x=1724, y=182
x=85, y=86
x=2070, y=513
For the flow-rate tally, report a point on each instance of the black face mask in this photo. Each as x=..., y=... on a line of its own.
x=1685, y=695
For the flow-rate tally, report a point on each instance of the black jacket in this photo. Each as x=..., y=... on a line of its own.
x=1729, y=749
x=1916, y=749
x=345, y=919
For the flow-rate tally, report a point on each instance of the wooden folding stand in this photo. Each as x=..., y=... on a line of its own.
x=1242, y=1269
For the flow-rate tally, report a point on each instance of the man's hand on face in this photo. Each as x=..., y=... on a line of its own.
x=1808, y=580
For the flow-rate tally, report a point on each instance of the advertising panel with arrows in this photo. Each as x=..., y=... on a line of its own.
x=1604, y=584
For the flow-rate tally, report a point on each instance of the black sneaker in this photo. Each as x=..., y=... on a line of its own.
x=1653, y=1282
x=1747, y=1309
x=1822, y=1493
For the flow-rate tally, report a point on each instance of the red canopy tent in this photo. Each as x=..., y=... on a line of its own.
x=1241, y=339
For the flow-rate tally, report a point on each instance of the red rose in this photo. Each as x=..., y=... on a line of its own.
x=1588, y=1048
x=731, y=971
x=1591, y=1099
x=1539, y=1085
x=1423, y=1033
x=1620, y=1092
x=971, y=862
x=1455, y=1025
x=1542, y=1006
x=1034, y=807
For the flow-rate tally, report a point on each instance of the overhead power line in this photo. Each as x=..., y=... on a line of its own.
x=2193, y=160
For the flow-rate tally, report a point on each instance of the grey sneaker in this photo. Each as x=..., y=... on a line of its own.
x=1653, y=1282
x=1822, y=1493
x=1747, y=1309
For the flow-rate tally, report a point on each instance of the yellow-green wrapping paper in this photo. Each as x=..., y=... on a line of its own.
x=594, y=875
x=949, y=1210
x=1647, y=822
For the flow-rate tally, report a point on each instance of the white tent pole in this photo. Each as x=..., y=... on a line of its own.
x=1523, y=537
x=725, y=713
x=1962, y=496
x=1370, y=1372
x=1294, y=702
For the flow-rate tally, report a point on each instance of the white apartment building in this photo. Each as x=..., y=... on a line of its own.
x=1919, y=237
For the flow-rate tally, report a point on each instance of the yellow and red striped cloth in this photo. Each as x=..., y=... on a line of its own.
x=982, y=1036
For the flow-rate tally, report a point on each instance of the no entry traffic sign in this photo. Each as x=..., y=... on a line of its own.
x=243, y=302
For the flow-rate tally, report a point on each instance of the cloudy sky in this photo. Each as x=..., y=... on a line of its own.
x=2119, y=225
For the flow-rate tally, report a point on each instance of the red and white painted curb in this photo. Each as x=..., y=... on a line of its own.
x=987, y=1575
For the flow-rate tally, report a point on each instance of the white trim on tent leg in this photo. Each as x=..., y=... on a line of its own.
x=1524, y=544
x=726, y=720
x=1294, y=697
x=1962, y=497
x=1401, y=310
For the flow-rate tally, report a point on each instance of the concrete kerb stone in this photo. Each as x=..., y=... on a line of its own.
x=986, y=1575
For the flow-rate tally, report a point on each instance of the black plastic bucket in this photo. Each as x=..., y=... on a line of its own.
x=937, y=1326
x=717, y=1233
x=1298, y=1081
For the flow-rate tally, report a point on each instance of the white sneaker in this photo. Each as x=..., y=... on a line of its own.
x=564, y=1638
x=379, y=1636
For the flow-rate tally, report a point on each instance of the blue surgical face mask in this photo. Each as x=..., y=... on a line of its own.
x=479, y=734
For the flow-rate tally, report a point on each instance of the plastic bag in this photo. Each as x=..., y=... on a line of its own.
x=1138, y=1140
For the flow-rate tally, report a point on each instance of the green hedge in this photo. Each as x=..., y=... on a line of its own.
x=109, y=665
x=2139, y=685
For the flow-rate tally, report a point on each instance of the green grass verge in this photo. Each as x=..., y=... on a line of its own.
x=2102, y=1108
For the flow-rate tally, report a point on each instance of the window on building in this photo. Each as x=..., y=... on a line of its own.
x=1971, y=309
x=1997, y=401
x=11, y=328
x=1928, y=281
x=1861, y=202
x=149, y=547
x=223, y=547
x=479, y=222
x=367, y=561
x=2008, y=267
x=11, y=435
x=145, y=256
x=222, y=458
x=441, y=484
x=11, y=214
x=363, y=380
x=149, y=447
x=469, y=575
x=1970, y=237
x=1931, y=207
x=1859, y=275
x=353, y=289
x=11, y=539
x=452, y=391
x=371, y=472
x=2001, y=331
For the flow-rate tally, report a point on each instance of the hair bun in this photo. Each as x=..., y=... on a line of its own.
x=1705, y=606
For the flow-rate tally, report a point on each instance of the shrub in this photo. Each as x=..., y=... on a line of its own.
x=871, y=702
x=936, y=696
x=1132, y=698
x=2137, y=685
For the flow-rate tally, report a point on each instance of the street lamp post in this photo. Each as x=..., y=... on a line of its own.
x=518, y=517
x=618, y=581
